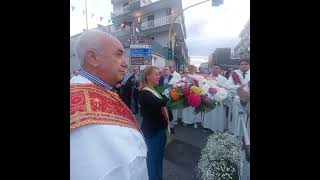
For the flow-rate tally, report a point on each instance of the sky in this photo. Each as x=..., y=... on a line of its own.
x=207, y=27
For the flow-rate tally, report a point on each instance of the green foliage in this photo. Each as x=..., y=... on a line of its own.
x=180, y=104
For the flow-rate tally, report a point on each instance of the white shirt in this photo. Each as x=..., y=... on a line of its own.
x=222, y=81
x=175, y=74
x=176, y=77
x=165, y=80
x=240, y=74
x=106, y=152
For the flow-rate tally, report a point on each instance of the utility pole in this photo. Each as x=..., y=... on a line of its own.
x=85, y=1
x=214, y=3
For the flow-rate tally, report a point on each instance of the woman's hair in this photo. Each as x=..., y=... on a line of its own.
x=147, y=71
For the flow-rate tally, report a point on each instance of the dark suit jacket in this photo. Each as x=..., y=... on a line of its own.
x=126, y=91
x=153, y=119
x=162, y=79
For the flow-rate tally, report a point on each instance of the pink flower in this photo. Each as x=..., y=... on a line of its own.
x=195, y=82
x=194, y=100
x=212, y=90
x=205, y=98
x=186, y=90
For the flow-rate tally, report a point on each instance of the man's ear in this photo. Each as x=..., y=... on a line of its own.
x=91, y=56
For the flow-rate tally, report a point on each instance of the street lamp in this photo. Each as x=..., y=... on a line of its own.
x=85, y=1
x=214, y=3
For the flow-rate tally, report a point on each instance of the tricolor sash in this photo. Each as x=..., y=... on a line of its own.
x=164, y=111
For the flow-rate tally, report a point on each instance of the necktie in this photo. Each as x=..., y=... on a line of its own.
x=244, y=75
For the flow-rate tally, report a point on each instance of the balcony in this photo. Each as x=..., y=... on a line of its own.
x=121, y=31
x=159, y=22
x=134, y=4
x=119, y=11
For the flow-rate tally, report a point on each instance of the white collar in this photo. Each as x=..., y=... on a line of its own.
x=246, y=71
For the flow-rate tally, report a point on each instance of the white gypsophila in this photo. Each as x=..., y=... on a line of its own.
x=220, y=158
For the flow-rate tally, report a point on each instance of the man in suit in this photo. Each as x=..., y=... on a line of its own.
x=166, y=77
x=137, y=77
x=126, y=88
x=164, y=83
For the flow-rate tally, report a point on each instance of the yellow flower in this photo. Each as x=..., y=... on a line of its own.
x=195, y=90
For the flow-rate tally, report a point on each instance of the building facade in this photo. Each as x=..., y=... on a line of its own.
x=242, y=49
x=222, y=56
x=151, y=20
x=146, y=22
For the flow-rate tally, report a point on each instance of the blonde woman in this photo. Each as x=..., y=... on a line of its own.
x=155, y=120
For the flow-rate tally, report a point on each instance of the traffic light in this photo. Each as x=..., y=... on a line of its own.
x=217, y=2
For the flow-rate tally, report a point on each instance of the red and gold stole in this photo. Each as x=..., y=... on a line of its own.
x=90, y=104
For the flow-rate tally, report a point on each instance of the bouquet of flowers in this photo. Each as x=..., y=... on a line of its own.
x=197, y=92
x=220, y=159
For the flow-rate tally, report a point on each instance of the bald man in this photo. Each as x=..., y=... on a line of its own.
x=105, y=140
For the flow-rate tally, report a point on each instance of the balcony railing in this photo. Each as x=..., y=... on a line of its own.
x=121, y=31
x=120, y=11
x=159, y=22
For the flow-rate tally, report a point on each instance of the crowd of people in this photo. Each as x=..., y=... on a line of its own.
x=106, y=140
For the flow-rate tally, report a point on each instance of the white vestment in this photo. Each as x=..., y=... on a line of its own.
x=189, y=117
x=106, y=152
x=240, y=74
x=216, y=119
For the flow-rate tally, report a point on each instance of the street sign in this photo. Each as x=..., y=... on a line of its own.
x=140, y=52
x=137, y=61
x=133, y=46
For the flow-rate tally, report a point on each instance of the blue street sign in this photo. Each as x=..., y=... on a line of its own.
x=140, y=52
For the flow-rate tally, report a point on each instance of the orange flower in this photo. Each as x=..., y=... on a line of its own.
x=175, y=95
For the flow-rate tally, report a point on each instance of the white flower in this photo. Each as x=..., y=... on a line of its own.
x=213, y=164
x=166, y=93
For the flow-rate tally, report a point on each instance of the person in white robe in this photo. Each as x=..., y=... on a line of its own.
x=106, y=142
x=188, y=116
x=216, y=119
x=237, y=81
x=243, y=73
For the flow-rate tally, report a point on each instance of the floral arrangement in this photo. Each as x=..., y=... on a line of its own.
x=220, y=158
x=195, y=91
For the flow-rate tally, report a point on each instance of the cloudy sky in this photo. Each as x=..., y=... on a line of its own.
x=207, y=27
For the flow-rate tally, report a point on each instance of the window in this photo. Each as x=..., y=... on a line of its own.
x=168, y=11
x=151, y=17
x=150, y=21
